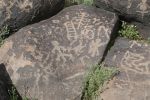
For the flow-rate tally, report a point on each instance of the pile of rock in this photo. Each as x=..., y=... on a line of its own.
x=48, y=60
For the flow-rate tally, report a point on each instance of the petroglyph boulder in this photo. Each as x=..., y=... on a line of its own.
x=19, y=13
x=133, y=60
x=49, y=59
x=131, y=9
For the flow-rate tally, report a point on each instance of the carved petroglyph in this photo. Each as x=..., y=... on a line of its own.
x=94, y=47
x=103, y=31
x=71, y=31
x=143, y=6
x=83, y=19
x=134, y=63
x=81, y=23
x=137, y=62
x=60, y=50
x=21, y=62
x=134, y=43
x=129, y=4
x=79, y=48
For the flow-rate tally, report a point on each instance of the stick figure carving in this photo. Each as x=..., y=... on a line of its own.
x=143, y=6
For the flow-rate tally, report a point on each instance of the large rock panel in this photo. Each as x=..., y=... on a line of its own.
x=131, y=9
x=133, y=60
x=48, y=60
x=19, y=13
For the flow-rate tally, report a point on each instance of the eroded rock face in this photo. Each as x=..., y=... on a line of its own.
x=48, y=60
x=136, y=9
x=19, y=13
x=144, y=31
x=133, y=60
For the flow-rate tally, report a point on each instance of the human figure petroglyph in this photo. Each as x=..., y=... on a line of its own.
x=143, y=6
x=94, y=47
x=61, y=52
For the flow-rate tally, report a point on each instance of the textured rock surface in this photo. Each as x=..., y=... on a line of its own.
x=18, y=13
x=133, y=60
x=49, y=59
x=136, y=9
x=143, y=30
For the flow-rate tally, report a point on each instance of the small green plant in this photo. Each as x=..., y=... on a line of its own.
x=14, y=96
x=4, y=33
x=95, y=81
x=129, y=31
x=77, y=2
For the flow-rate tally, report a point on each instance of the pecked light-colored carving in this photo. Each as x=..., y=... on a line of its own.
x=133, y=60
x=48, y=60
x=134, y=9
x=19, y=13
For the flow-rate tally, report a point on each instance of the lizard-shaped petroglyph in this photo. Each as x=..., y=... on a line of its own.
x=143, y=6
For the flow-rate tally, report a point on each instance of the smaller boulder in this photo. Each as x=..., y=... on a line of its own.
x=132, y=58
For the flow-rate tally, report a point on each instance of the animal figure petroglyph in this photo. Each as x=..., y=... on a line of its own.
x=143, y=6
